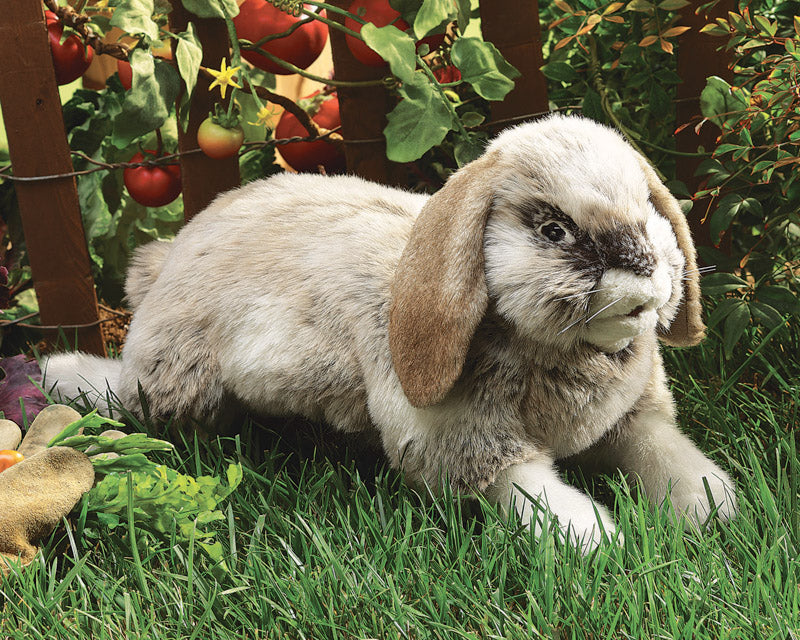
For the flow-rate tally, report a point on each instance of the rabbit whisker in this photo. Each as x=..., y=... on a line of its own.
x=596, y=313
x=576, y=295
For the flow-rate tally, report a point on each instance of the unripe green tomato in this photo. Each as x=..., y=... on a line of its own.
x=217, y=141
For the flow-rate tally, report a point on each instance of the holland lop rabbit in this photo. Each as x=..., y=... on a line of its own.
x=510, y=320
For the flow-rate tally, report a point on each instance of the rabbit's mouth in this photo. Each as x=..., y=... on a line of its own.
x=636, y=312
x=615, y=332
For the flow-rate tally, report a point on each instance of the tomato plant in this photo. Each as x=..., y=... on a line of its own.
x=218, y=141
x=307, y=156
x=258, y=19
x=71, y=58
x=153, y=186
x=9, y=457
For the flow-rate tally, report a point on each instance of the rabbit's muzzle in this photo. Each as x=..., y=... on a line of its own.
x=625, y=306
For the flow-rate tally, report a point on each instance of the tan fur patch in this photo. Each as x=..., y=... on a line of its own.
x=687, y=329
x=439, y=291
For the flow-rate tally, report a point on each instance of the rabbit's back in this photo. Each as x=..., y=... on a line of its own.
x=270, y=294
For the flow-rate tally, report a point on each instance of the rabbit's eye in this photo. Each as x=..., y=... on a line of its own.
x=554, y=232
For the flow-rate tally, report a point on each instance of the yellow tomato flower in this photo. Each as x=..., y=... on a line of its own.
x=263, y=116
x=224, y=78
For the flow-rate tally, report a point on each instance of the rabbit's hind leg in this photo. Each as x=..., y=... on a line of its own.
x=174, y=367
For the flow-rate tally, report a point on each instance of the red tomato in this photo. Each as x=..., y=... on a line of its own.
x=152, y=186
x=125, y=74
x=447, y=74
x=258, y=18
x=307, y=156
x=9, y=457
x=70, y=58
x=217, y=141
x=379, y=13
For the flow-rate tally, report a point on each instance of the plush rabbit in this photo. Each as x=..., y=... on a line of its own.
x=509, y=320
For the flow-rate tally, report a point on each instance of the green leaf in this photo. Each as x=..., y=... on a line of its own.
x=469, y=148
x=129, y=462
x=189, y=55
x=729, y=207
x=718, y=101
x=420, y=121
x=212, y=8
x=147, y=105
x=781, y=298
x=432, y=15
x=592, y=106
x=90, y=421
x=660, y=101
x=721, y=311
x=673, y=5
x=560, y=71
x=766, y=314
x=482, y=65
x=716, y=283
x=136, y=18
x=472, y=118
x=463, y=14
x=735, y=325
x=394, y=46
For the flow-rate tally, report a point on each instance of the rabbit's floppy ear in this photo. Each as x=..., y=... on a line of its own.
x=687, y=329
x=439, y=290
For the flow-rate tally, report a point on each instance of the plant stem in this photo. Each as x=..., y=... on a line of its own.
x=427, y=71
x=331, y=9
x=246, y=44
x=137, y=561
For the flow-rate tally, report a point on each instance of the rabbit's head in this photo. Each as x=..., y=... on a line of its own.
x=571, y=235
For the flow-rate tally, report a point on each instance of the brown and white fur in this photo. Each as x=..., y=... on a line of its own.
x=510, y=320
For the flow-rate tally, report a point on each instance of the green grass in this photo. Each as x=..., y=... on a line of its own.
x=323, y=541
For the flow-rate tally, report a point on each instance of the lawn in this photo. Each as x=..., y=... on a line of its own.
x=322, y=540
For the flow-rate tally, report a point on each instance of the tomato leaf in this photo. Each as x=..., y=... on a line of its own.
x=482, y=65
x=394, y=46
x=212, y=8
x=432, y=15
x=420, y=121
x=469, y=148
x=136, y=18
x=464, y=12
x=20, y=385
x=147, y=105
x=189, y=55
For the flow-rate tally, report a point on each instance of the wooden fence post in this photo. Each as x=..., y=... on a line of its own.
x=699, y=56
x=513, y=27
x=363, y=111
x=203, y=177
x=50, y=209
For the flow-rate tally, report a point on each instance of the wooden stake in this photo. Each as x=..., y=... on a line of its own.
x=513, y=27
x=51, y=217
x=363, y=111
x=698, y=58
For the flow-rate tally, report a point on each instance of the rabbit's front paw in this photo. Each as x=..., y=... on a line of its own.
x=690, y=497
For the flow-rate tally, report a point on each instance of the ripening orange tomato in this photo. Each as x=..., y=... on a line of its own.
x=9, y=457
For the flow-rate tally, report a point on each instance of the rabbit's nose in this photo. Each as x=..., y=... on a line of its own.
x=624, y=293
